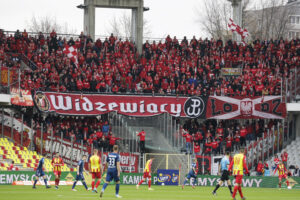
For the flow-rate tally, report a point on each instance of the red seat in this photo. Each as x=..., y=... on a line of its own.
x=71, y=169
x=29, y=161
x=19, y=156
x=14, y=148
x=28, y=165
x=22, y=160
x=4, y=156
x=34, y=156
x=21, y=148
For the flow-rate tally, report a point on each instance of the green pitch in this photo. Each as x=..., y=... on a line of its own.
x=130, y=192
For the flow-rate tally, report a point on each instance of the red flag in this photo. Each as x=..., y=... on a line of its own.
x=71, y=52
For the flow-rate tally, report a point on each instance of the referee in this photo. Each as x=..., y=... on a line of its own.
x=225, y=173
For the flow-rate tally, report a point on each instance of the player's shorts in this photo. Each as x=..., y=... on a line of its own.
x=57, y=173
x=225, y=175
x=39, y=173
x=238, y=179
x=282, y=176
x=191, y=176
x=146, y=175
x=96, y=175
x=79, y=177
x=112, y=175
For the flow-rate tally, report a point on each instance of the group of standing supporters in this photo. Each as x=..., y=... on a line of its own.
x=112, y=166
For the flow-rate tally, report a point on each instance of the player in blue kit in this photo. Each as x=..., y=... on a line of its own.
x=79, y=176
x=225, y=173
x=40, y=173
x=113, y=170
x=192, y=174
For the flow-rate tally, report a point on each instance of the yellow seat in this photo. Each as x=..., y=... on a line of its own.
x=24, y=165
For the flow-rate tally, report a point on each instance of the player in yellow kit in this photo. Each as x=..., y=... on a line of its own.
x=95, y=169
x=238, y=164
x=147, y=174
x=282, y=174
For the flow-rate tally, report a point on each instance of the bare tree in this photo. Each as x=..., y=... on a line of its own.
x=47, y=24
x=121, y=26
x=216, y=17
x=270, y=21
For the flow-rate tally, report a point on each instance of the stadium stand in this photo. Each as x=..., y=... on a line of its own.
x=173, y=67
x=23, y=158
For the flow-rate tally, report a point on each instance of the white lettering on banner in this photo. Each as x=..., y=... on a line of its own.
x=152, y=108
x=100, y=107
x=10, y=178
x=61, y=105
x=87, y=105
x=202, y=182
x=247, y=182
x=211, y=181
x=258, y=181
x=112, y=105
x=77, y=105
x=162, y=107
x=177, y=111
x=142, y=107
x=128, y=106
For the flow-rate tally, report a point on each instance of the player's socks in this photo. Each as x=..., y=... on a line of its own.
x=45, y=181
x=234, y=191
x=217, y=187
x=34, y=183
x=117, y=189
x=141, y=182
x=240, y=191
x=93, y=185
x=98, y=183
x=104, y=187
x=185, y=181
x=84, y=184
x=230, y=188
x=279, y=185
x=58, y=182
x=149, y=184
x=74, y=184
x=287, y=183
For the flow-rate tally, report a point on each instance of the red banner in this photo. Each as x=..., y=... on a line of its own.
x=214, y=107
x=21, y=98
x=97, y=104
x=268, y=107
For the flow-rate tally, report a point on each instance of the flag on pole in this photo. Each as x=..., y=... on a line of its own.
x=236, y=28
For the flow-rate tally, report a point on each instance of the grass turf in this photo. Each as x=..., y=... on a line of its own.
x=8, y=192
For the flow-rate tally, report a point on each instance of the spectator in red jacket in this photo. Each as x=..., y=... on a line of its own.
x=260, y=168
x=197, y=148
x=142, y=136
x=214, y=146
x=243, y=134
x=188, y=140
x=11, y=167
x=284, y=158
x=112, y=141
x=207, y=146
x=229, y=141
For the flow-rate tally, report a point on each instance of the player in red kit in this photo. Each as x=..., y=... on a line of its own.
x=282, y=174
x=57, y=163
x=142, y=136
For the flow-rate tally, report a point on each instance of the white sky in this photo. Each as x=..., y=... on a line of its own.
x=174, y=17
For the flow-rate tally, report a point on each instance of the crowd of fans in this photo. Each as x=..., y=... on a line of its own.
x=212, y=137
x=170, y=67
x=89, y=130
